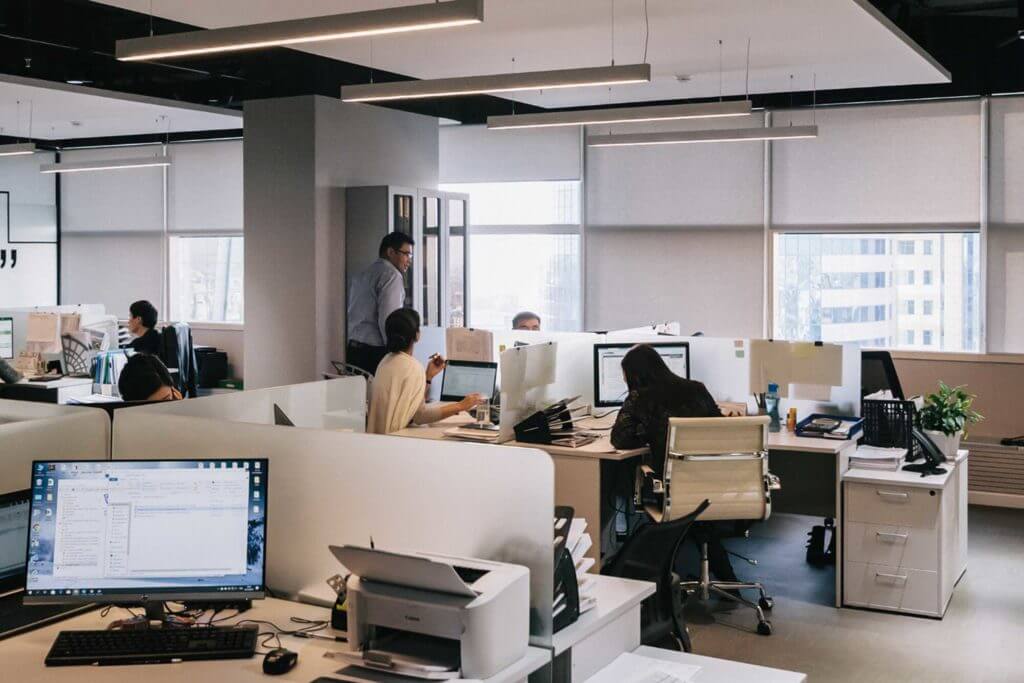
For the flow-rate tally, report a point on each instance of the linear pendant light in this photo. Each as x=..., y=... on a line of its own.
x=106, y=164
x=683, y=137
x=19, y=149
x=474, y=85
x=586, y=117
x=308, y=30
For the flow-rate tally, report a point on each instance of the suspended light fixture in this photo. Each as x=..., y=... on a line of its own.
x=509, y=82
x=106, y=164
x=17, y=150
x=685, y=137
x=587, y=117
x=298, y=31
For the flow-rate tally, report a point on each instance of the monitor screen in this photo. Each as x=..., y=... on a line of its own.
x=14, y=515
x=463, y=377
x=7, y=338
x=130, y=531
x=609, y=384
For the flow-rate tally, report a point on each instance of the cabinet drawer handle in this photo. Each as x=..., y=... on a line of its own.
x=896, y=577
x=883, y=534
x=893, y=494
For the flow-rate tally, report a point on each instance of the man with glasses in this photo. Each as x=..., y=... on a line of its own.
x=373, y=295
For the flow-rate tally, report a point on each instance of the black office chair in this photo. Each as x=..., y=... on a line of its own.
x=176, y=351
x=877, y=373
x=650, y=555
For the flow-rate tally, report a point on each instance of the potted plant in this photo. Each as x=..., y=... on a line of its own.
x=945, y=415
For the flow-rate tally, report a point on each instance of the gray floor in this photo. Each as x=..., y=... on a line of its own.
x=981, y=638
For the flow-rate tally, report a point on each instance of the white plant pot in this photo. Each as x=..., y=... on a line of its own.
x=947, y=445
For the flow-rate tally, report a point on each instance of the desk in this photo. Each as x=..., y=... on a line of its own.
x=713, y=670
x=598, y=636
x=23, y=655
x=57, y=391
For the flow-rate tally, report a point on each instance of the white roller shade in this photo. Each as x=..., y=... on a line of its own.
x=126, y=200
x=1006, y=159
x=698, y=185
x=473, y=154
x=911, y=165
x=204, y=187
x=113, y=270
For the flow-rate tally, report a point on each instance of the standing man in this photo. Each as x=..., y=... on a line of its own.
x=526, y=320
x=374, y=295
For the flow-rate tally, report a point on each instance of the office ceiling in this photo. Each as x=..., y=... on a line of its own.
x=860, y=51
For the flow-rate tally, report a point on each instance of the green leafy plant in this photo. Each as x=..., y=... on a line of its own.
x=948, y=410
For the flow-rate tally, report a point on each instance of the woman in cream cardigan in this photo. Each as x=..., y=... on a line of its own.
x=400, y=385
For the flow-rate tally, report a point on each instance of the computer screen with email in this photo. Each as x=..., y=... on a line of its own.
x=609, y=384
x=105, y=531
x=462, y=378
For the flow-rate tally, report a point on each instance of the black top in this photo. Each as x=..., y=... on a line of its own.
x=643, y=421
x=147, y=343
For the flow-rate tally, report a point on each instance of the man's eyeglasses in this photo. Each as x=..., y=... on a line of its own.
x=405, y=253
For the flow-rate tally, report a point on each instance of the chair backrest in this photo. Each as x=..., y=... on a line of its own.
x=649, y=554
x=721, y=460
x=877, y=372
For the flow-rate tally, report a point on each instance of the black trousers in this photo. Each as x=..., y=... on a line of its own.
x=365, y=357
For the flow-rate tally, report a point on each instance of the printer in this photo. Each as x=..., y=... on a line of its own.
x=433, y=616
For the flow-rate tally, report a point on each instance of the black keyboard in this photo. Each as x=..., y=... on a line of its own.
x=152, y=646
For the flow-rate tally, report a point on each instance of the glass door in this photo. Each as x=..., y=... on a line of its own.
x=431, y=259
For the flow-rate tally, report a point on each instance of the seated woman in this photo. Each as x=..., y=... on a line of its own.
x=145, y=378
x=400, y=385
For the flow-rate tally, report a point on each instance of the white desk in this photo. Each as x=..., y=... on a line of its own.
x=23, y=655
x=58, y=391
x=713, y=670
x=598, y=636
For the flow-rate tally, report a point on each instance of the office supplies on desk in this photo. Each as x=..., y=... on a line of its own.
x=877, y=458
x=889, y=423
x=933, y=457
x=279, y=661
x=839, y=427
x=471, y=616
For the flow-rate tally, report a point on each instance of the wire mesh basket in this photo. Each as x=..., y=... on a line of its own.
x=890, y=424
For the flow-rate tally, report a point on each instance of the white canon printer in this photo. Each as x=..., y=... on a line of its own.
x=433, y=616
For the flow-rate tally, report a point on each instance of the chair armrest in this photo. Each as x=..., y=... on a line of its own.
x=721, y=458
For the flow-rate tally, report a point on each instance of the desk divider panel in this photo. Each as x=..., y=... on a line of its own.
x=39, y=431
x=332, y=488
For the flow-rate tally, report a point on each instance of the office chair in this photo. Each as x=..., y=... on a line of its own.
x=877, y=373
x=723, y=462
x=650, y=555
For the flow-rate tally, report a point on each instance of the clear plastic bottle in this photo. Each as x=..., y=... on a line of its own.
x=771, y=400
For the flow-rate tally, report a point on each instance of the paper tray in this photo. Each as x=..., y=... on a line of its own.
x=357, y=674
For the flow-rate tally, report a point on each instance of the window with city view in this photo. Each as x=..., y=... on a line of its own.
x=206, y=279
x=918, y=291
x=524, y=252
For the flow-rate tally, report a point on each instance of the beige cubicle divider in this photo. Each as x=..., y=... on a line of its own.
x=331, y=488
x=42, y=431
x=327, y=404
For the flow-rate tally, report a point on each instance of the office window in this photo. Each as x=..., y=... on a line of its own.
x=205, y=279
x=906, y=247
x=823, y=292
x=927, y=277
x=927, y=338
x=525, y=253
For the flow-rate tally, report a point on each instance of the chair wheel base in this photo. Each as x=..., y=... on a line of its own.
x=766, y=603
x=764, y=628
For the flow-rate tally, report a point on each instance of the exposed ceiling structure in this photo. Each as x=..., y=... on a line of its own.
x=855, y=49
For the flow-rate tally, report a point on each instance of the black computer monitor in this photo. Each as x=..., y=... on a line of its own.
x=609, y=384
x=878, y=373
x=146, y=531
x=14, y=516
x=6, y=338
x=463, y=377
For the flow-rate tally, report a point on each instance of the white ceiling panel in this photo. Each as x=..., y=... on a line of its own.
x=847, y=43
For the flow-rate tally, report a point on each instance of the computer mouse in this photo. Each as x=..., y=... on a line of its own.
x=279, y=661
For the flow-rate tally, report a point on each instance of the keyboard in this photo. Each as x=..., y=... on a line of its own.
x=152, y=646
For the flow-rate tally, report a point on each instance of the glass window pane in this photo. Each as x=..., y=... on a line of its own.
x=528, y=203
x=206, y=279
x=824, y=291
x=512, y=273
x=429, y=264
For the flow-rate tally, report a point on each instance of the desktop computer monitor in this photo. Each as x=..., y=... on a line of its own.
x=146, y=531
x=610, y=386
x=463, y=377
x=6, y=338
x=14, y=515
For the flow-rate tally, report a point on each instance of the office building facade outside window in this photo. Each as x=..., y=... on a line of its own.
x=863, y=288
x=525, y=252
x=206, y=277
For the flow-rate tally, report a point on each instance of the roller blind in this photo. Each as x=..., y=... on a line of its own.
x=204, y=187
x=473, y=154
x=696, y=185
x=126, y=200
x=1006, y=160
x=113, y=270
x=893, y=165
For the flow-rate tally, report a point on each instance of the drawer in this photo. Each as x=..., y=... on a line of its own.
x=880, y=586
x=896, y=546
x=901, y=506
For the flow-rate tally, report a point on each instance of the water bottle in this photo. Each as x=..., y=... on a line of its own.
x=771, y=400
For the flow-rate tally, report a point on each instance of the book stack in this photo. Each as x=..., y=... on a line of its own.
x=878, y=458
x=579, y=542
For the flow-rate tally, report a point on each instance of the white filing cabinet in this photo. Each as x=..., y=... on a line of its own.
x=905, y=538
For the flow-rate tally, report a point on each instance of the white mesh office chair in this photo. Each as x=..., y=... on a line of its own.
x=723, y=460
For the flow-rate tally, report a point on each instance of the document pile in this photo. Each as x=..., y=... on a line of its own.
x=632, y=668
x=877, y=458
x=579, y=542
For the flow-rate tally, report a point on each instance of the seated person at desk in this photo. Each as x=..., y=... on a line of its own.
x=525, y=320
x=141, y=323
x=145, y=378
x=400, y=385
x=655, y=395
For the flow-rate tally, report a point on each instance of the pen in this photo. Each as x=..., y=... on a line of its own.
x=320, y=636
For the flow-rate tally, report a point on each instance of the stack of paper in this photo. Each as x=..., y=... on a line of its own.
x=877, y=458
x=632, y=668
x=578, y=543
